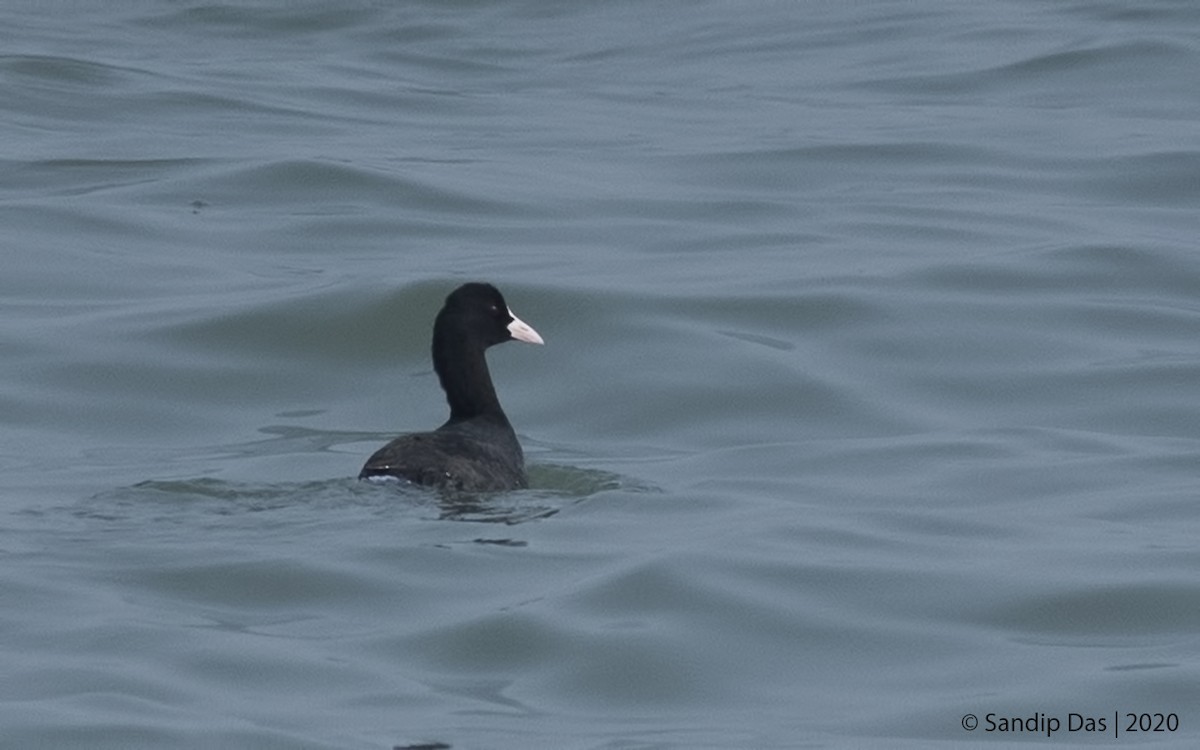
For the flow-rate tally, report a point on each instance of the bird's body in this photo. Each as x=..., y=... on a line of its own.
x=454, y=457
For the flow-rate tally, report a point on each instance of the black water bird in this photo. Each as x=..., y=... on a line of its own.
x=476, y=449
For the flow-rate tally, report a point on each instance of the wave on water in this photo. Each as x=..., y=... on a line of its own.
x=552, y=487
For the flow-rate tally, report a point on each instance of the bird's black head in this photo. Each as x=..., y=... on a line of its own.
x=478, y=311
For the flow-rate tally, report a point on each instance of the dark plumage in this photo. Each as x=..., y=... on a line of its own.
x=476, y=450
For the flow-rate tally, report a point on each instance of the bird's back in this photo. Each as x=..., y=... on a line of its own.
x=464, y=457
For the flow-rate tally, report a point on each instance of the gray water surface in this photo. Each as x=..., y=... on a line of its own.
x=868, y=400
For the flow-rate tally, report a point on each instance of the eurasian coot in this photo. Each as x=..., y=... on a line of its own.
x=476, y=450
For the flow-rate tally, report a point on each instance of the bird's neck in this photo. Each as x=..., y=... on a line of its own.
x=467, y=382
